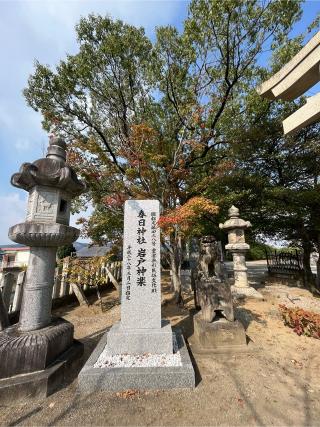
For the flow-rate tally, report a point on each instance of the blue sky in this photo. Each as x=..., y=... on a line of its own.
x=44, y=30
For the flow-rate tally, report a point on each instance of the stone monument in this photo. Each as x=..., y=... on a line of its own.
x=235, y=227
x=215, y=328
x=141, y=351
x=35, y=351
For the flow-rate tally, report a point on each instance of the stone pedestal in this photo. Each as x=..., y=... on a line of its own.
x=214, y=297
x=141, y=331
x=138, y=341
x=92, y=379
x=220, y=335
x=36, y=363
x=32, y=386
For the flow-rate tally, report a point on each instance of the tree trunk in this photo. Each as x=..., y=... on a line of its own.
x=318, y=273
x=175, y=266
x=308, y=276
x=318, y=263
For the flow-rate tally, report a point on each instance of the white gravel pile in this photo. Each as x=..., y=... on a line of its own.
x=144, y=360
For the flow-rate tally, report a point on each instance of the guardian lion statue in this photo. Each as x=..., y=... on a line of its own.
x=213, y=293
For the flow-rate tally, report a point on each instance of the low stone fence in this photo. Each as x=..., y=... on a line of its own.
x=11, y=286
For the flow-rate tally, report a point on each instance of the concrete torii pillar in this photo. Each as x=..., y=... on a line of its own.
x=235, y=227
x=292, y=81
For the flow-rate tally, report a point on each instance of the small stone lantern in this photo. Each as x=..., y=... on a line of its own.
x=237, y=245
x=37, y=340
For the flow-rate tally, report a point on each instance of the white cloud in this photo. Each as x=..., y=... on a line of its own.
x=13, y=211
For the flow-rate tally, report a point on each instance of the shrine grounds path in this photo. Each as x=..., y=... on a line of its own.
x=275, y=383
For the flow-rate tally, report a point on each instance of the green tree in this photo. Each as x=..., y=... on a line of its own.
x=275, y=180
x=64, y=251
x=149, y=120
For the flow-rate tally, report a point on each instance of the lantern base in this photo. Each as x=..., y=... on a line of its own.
x=38, y=385
x=26, y=352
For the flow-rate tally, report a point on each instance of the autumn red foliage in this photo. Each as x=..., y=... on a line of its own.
x=184, y=216
x=302, y=321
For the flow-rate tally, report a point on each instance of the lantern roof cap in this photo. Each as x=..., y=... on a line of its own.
x=233, y=212
x=51, y=171
x=234, y=221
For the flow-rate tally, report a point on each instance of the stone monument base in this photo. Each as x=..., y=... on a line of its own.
x=138, y=341
x=218, y=336
x=38, y=385
x=245, y=292
x=113, y=379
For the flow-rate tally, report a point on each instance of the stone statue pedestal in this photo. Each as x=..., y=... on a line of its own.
x=218, y=336
x=215, y=328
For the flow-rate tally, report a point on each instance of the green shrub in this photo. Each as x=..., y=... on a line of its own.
x=257, y=251
x=64, y=251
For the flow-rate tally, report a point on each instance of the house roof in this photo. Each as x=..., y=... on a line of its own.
x=14, y=247
x=93, y=250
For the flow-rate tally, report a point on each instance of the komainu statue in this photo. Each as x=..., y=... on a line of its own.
x=212, y=290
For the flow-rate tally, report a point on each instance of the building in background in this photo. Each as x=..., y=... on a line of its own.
x=13, y=258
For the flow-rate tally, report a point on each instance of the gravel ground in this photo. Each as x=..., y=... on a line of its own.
x=294, y=297
x=275, y=383
x=145, y=360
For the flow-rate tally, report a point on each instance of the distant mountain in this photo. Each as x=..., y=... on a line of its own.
x=93, y=250
x=79, y=245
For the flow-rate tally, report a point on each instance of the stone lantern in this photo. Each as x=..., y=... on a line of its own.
x=238, y=247
x=51, y=184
